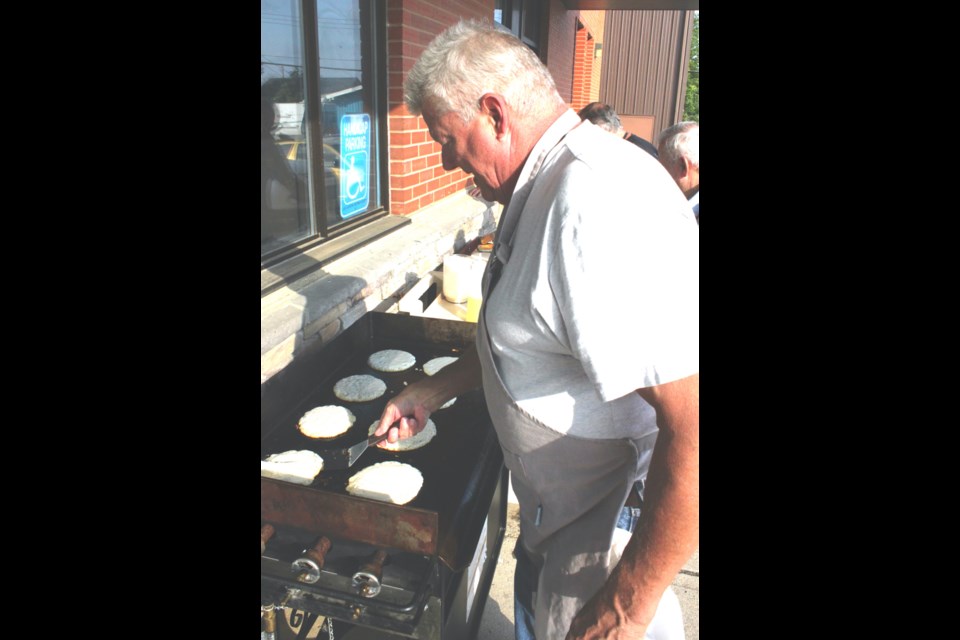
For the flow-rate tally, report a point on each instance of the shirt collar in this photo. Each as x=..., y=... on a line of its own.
x=510, y=216
x=554, y=133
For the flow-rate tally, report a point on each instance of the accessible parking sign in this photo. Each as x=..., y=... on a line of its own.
x=355, y=164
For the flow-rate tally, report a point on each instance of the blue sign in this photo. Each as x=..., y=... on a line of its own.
x=354, y=164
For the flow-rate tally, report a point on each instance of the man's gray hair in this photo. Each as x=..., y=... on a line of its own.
x=602, y=115
x=680, y=140
x=472, y=58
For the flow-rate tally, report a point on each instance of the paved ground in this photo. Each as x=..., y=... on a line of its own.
x=497, y=622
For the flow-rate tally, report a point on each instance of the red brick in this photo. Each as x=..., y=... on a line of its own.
x=419, y=190
x=421, y=37
x=400, y=194
x=400, y=111
x=403, y=153
x=427, y=149
x=394, y=16
x=424, y=23
x=433, y=185
x=404, y=123
x=411, y=50
x=405, y=181
x=419, y=8
x=400, y=139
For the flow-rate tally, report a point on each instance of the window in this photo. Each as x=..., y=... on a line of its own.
x=524, y=18
x=321, y=92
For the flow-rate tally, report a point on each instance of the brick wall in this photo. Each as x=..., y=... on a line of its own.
x=594, y=21
x=586, y=65
x=582, y=68
x=417, y=177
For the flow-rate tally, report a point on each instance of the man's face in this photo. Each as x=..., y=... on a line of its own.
x=471, y=146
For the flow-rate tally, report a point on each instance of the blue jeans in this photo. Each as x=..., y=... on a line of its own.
x=526, y=576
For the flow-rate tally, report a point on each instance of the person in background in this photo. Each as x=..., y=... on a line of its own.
x=680, y=155
x=607, y=119
x=281, y=192
x=587, y=346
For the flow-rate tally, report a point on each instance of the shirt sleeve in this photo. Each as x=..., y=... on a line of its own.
x=625, y=277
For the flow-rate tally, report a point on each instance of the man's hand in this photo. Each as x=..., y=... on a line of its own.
x=406, y=414
x=669, y=528
x=600, y=620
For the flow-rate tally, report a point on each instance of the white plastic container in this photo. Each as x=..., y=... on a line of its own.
x=457, y=271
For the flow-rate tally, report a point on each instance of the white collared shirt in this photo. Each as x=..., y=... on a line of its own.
x=599, y=295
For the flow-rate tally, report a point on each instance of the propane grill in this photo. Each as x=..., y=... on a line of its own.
x=419, y=570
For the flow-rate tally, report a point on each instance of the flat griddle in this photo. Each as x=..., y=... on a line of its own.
x=457, y=464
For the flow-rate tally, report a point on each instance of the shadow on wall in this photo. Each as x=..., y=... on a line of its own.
x=294, y=323
x=488, y=225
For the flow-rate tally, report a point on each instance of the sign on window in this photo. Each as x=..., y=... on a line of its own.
x=355, y=164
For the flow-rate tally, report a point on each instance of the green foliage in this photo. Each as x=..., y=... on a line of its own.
x=289, y=89
x=691, y=104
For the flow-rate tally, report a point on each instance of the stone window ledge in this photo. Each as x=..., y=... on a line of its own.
x=314, y=309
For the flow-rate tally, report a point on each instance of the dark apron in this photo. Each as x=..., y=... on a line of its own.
x=570, y=490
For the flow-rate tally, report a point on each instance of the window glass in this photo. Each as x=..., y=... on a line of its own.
x=523, y=18
x=284, y=207
x=347, y=99
x=532, y=11
x=306, y=194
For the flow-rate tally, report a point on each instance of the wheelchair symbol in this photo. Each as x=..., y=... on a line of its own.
x=354, y=176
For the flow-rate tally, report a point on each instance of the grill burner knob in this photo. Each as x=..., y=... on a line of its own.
x=308, y=567
x=367, y=579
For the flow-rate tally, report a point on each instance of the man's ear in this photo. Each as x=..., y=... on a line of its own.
x=494, y=106
x=684, y=167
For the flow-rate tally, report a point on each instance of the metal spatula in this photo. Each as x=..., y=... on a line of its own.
x=345, y=458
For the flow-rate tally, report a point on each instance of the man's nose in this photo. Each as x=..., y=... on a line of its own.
x=448, y=162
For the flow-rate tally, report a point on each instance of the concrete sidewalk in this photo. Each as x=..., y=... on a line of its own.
x=497, y=621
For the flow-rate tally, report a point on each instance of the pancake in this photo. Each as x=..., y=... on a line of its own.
x=359, y=388
x=432, y=366
x=299, y=467
x=326, y=422
x=426, y=434
x=391, y=360
x=392, y=481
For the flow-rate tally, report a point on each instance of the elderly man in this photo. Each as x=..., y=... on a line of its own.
x=587, y=345
x=605, y=117
x=680, y=155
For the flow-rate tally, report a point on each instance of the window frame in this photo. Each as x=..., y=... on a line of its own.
x=516, y=16
x=309, y=253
